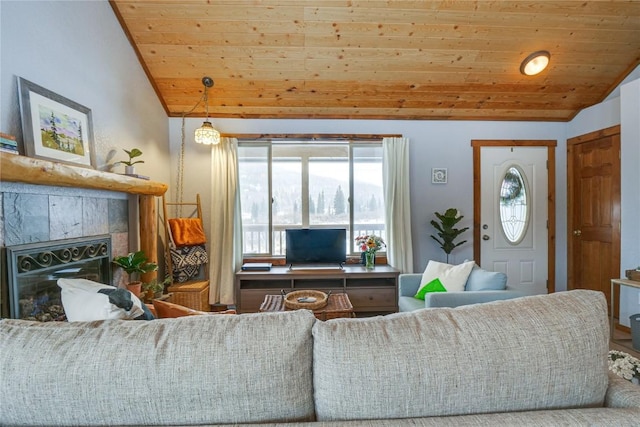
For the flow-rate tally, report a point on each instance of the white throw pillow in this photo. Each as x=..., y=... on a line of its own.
x=82, y=302
x=452, y=277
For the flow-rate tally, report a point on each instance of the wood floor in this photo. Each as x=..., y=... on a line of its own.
x=627, y=348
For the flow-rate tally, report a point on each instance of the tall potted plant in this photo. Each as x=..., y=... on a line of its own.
x=447, y=232
x=134, y=264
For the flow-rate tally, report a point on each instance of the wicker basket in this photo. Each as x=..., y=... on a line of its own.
x=292, y=301
x=194, y=295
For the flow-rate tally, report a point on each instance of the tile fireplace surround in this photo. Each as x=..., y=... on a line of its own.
x=81, y=203
x=37, y=213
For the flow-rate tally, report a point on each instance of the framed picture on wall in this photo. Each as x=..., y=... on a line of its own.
x=55, y=128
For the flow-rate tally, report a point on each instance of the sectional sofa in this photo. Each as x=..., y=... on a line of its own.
x=531, y=361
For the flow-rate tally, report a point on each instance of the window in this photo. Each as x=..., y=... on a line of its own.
x=514, y=205
x=308, y=184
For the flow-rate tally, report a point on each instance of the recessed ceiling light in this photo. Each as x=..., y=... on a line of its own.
x=535, y=63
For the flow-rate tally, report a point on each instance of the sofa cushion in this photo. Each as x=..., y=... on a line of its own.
x=453, y=277
x=433, y=286
x=483, y=280
x=83, y=301
x=186, y=371
x=531, y=353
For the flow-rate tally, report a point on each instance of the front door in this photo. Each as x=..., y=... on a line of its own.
x=513, y=214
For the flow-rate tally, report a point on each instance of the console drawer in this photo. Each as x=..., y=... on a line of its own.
x=373, y=299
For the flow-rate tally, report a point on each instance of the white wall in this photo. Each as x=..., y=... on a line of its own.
x=630, y=197
x=444, y=144
x=77, y=49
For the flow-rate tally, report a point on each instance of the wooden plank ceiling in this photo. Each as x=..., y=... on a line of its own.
x=375, y=59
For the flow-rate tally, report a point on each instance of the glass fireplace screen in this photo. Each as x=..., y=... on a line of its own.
x=34, y=270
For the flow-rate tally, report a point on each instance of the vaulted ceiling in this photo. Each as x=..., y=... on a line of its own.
x=382, y=59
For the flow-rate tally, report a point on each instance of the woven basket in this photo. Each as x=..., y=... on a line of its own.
x=291, y=300
x=194, y=295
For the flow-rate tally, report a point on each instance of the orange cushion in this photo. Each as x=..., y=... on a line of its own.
x=187, y=231
x=166, y=310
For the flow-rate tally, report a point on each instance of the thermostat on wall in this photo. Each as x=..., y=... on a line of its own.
x=439, y=176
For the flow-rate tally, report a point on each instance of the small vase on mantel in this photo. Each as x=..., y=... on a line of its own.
x=370, y=259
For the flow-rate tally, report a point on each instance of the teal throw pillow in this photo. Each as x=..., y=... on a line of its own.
x=483, y=280
x=433, y=286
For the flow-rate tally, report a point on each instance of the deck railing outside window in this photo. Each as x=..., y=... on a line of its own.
x=255, y=239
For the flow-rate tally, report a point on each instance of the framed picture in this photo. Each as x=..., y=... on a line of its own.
x=54, y=127
x=439, y=176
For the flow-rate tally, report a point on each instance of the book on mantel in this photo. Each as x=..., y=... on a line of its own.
x=256, y=266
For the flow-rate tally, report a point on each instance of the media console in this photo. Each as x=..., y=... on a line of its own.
x=370, y=291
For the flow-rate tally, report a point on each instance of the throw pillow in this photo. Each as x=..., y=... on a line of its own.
x=82, y=302
x=484, y=280
x=452, y=277
x=433, y=286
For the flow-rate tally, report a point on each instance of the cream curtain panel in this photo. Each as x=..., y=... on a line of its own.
x=395, y=185
x=225, y=245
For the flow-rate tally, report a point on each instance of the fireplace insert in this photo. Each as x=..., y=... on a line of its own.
x=34, y=269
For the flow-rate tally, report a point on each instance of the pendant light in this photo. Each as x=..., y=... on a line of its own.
x=535, y=63
x=206, y=134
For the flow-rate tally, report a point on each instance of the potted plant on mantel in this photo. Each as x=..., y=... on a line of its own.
x=129, y=169
x=135, y=263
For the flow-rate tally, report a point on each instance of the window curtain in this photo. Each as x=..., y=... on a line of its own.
x=225, y=245
x=395, y=185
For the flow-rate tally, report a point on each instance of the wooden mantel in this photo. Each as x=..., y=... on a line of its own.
x=14, y=168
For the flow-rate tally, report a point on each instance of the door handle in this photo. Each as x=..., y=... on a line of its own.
x=486, y=237
x=577, y=232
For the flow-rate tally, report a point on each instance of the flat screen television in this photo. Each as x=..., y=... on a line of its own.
x=316, y=246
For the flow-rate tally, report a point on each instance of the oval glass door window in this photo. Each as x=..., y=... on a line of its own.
x=514, y=205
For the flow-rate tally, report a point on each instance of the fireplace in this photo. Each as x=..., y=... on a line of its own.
x=34, y=269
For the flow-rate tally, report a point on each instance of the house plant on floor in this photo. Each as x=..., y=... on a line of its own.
x=446, y=231
x=135, y=263
x=154, y=288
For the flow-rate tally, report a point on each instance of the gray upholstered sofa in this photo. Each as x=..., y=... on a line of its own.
x=481, y=286
x=531, y=361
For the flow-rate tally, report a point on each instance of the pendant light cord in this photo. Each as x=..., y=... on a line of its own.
x=180, y=177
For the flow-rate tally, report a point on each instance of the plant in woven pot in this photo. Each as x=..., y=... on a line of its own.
x=134, y=264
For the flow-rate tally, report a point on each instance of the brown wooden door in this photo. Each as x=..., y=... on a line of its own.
x=593, y=222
